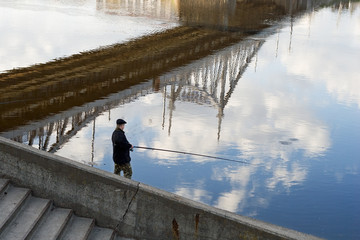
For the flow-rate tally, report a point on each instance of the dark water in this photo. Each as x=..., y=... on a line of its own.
x=285, y=100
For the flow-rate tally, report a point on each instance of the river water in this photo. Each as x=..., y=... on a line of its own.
x=283, y=103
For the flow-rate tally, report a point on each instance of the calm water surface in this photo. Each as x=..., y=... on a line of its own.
x=36, y=31
x=286, y=101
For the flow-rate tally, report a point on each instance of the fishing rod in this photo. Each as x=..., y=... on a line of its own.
x=194, y=154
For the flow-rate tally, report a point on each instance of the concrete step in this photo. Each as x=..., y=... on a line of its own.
x=53, y=224
x=98, y=233
x=23, y=216
x=123, y=238
x=78, y=228
x=10, y=202
x=27, y=219
x=4, y=183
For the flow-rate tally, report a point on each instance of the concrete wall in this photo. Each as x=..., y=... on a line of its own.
x=134, y=209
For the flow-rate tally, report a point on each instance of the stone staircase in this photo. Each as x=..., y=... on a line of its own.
x=24, y=216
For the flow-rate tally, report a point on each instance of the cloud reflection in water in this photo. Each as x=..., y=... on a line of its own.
x=275, y=118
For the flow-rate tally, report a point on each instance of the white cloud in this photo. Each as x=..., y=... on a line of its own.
x=326, y=56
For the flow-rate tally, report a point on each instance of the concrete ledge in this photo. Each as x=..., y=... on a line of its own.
x=133, y=209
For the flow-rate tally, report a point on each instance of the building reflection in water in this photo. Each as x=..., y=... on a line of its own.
x=264, y=121
x=231, y=15
x=158, y=9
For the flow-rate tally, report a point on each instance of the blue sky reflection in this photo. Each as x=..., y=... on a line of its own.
x=293, y=115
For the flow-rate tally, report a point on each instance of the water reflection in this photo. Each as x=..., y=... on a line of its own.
x=55, y=30
x=225, y=15
x=273, y=100
x=155, y=9
x=31, y=93
x=283, y=126
x=343, y=87
x=210, y=81
x=45, y=89
x=39, y=31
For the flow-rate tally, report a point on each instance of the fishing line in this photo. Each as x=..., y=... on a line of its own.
x=194, y=154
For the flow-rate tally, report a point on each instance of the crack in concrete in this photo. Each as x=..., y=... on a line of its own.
x=132, y=199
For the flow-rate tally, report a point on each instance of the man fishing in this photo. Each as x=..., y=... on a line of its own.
x=121, y=150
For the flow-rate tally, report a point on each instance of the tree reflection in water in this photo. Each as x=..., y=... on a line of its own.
x=263, y=98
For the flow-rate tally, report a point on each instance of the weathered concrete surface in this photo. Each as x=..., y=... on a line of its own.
x=23, y=216
x=134, y=209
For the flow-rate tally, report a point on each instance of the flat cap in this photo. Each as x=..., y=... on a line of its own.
x=120, y=121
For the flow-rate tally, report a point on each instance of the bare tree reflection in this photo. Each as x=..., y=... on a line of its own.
x=211, y=81
x=59, y=86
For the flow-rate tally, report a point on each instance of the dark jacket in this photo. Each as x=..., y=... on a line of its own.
x=121, y=147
